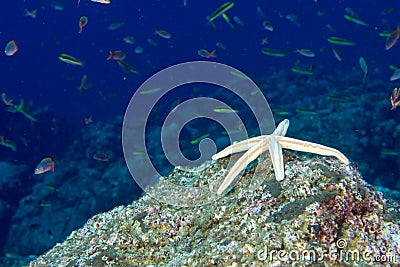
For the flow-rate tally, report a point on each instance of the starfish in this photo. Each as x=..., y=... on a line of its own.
x=274, y=142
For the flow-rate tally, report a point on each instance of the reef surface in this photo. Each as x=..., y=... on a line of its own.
x=322, y=214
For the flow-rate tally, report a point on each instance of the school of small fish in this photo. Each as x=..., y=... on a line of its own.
x=225, y=14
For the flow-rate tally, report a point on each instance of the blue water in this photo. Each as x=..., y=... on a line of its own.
x=36, y=75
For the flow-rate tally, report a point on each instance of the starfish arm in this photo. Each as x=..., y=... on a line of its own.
x=238, y=147
x=242, y=162
x=275, y=150
x=304, y=146
x=282, y=127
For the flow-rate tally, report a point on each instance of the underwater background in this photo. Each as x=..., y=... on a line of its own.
x=76, y=81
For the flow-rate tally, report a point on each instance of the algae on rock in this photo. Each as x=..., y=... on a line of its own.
x=322, y=214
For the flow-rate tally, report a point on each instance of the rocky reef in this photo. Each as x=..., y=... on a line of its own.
x=322, y=214
x=57, y=203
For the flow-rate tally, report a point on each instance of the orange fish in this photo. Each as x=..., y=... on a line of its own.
x=206, y=54
x=6, y=101
x=83, y=21
x=101, y=156
x=116, y=55
x=392, y=39
x=88, y=120
x=395, y=98
x=11, y=48
x=45, y=165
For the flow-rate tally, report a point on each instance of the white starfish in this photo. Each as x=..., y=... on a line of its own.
x=274, y=143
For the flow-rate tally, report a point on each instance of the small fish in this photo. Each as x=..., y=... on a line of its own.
x=384, y=33
x=88, y=120
x=388, y=152
x=356, y=20
x=199, y=138
x=337, y=53
x=21, y=107
x=340, y=41
x=8, y=102
x=205, y=53
x=240, y=75
x=83, y=82
x=349, y=11
x=45, y=165
x=50, y=187
x=293, y=18
x=44, y=204
x=162, y=33
x=116, y=55
x=340, y=97
x=329, y=26
x=101, y=156
x=102, y=96
x=387, y=11
x=301, y=70
x=149, y=91
x=221, y=10
x=138, y=50
x=395, y=75
x=151, y=42
x=115, y=25
x=54, y=128
x=364, y=67
x=305, y=52
x=139, y=153
x=268, y=26
x=106, y=2
x=212, y=24
x=220, y=45
x=395, y=98
x=260, y=12
x=57, y=6
x=8, y=143
x=84, y=85
x=11, y=48
x=273, y=53
x=306, y=111
x=229, y=21
x=70, y=60
x=392, y=39
x=129, y=39
x=281, y=112
x=264, y=41
x=83, y=21
x=224, y=110
x=31, y=14
x=127, y=67
x=238, y=21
